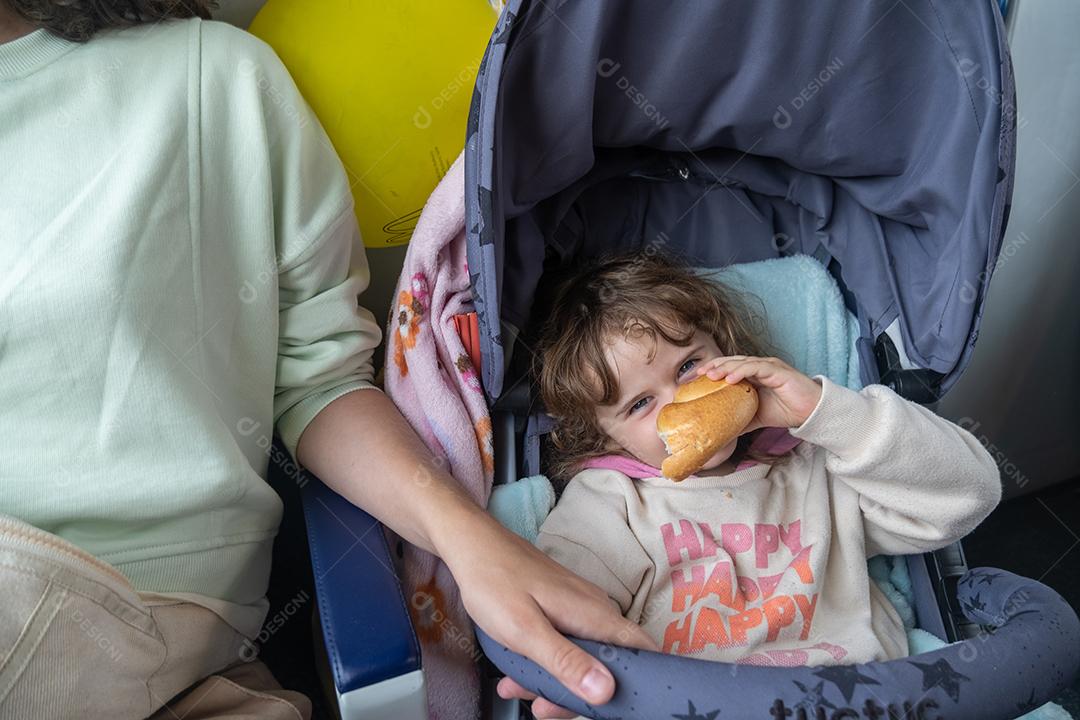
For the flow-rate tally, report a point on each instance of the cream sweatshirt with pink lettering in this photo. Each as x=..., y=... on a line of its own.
x=767, y=565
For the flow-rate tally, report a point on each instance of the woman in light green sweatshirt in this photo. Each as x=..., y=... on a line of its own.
x=179, y=271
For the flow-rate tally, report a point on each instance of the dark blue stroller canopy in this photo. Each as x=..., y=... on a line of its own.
x=876, y=135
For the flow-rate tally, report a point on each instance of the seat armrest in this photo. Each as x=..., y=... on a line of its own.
x=365, y=620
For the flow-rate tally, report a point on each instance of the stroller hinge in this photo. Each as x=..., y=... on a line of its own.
x=916, y=384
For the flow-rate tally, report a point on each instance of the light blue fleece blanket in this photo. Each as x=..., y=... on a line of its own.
x=810, y=327
x=804, y=312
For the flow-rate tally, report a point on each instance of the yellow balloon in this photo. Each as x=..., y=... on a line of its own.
x=391, y=82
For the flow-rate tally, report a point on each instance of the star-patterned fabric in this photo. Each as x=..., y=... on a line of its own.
x=961, y=680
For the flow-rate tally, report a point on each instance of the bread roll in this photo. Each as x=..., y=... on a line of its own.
x=705, y=416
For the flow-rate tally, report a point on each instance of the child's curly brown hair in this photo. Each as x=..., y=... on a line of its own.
x=642, y=293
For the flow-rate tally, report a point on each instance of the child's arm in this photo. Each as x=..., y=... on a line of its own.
x=923, y=482
x=588, y=533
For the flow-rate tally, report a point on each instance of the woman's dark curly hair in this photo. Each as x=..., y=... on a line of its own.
x=79, y=20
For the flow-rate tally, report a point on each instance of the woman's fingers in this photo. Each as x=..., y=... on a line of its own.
x=593, y=616
x=526, y=601
x=531, y=634
x=562, y=603
x=542, y=709
x=589, y=613
x=579, y=608
x=577, y=670
x=508, y=688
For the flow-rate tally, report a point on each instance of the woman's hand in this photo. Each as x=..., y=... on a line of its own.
x=786, y=397
x=525, y=600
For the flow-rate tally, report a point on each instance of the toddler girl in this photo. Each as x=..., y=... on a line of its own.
x=760, y=557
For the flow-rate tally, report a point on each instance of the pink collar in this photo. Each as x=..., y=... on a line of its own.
x=775, y=441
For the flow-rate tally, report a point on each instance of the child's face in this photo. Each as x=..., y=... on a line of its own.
x=645, y=387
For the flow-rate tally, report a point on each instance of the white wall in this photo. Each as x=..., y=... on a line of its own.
x=1022, y=390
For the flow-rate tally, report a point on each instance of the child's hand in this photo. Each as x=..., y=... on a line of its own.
x=786, y=397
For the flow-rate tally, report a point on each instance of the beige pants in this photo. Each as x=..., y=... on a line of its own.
x=77, y=641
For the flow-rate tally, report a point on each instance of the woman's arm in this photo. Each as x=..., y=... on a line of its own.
x=362, y=435
x=350, y=434
x=362, y=447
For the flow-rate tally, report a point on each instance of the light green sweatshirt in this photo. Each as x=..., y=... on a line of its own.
x=175, y=239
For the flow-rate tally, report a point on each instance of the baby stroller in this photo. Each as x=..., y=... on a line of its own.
x=876, y=137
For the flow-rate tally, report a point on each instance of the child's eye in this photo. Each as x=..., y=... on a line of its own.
x=638, y=405
x=687, y=365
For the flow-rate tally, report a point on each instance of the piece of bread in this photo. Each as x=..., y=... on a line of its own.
x=705, y=416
